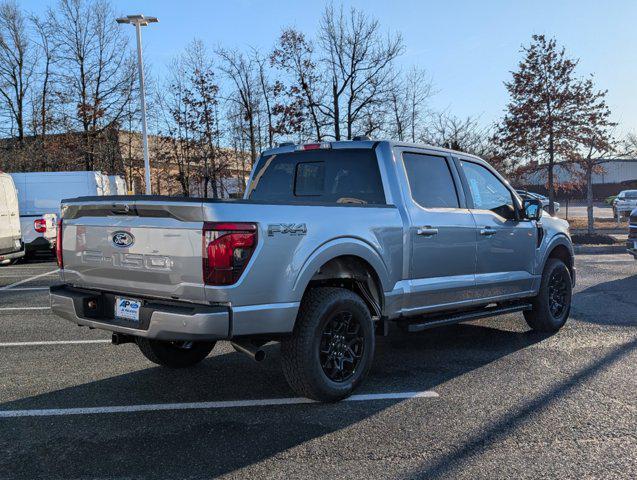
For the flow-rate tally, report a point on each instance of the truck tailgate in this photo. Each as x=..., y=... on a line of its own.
x=135, y=247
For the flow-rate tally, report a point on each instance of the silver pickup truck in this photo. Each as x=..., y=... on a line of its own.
x=331, y=244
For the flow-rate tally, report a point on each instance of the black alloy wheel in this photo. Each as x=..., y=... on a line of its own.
x=342, y=346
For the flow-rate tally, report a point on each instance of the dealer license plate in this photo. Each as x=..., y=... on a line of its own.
x=127, y=308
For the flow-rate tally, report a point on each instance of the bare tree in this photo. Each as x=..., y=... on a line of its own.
x=17, y=66
x=177, y=142
x=42, y=115
x=630, y=144
x=407, y=99
x=95, y=66
x=241, y=71
x=359, y=61
x=464, y=134
x=268, y=93
x=202, y=98
x=294, y=54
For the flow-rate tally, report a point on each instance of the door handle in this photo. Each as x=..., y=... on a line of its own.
x=487, y=231
x=427, y=231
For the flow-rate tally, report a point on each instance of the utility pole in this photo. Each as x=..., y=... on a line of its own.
x=141, y=21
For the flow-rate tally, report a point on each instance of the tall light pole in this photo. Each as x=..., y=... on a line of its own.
x=141, y=21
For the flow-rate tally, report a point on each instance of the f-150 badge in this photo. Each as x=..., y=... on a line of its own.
x=294, y=229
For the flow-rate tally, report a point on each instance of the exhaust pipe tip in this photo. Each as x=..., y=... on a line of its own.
x=259, y=355
x=255, y=353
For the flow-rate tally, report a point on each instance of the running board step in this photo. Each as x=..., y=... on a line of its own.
x=440, y=320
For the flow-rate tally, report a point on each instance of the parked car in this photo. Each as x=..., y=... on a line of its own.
x=631, y=242
x=624, y=203
x=11, y=246
x=39, y=232
x=331, y=243
x=542, y=198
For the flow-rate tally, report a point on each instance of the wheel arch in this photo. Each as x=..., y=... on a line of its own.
x=562, y=249
x=348, y=263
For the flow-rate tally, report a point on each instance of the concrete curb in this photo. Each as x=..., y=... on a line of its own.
x=603, y=231
x=599, y=249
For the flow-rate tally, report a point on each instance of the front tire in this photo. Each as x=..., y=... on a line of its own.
x=332, y=345
x=552, y=305
x=174, y=354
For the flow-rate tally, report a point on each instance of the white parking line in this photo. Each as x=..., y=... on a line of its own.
x=51, y=342
x=28, y=289
x=30, y=266
x=2, y=309
x=206, y=405
x=7, y=287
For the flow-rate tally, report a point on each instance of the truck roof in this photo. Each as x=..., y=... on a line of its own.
x=290, y=147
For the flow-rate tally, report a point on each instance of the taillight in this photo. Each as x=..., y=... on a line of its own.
x=58, y=245
x=40, y=225
x=227, y=248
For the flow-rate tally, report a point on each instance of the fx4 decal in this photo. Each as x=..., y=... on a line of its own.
x=287, y=229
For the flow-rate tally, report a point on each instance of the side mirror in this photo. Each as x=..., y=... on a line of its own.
x=532, y=209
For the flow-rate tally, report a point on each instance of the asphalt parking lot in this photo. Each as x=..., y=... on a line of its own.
x=491, y=399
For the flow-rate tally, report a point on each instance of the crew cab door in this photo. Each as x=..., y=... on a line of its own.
x=442, y=233
x=506, y=245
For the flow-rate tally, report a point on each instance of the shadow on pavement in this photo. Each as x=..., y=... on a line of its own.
x=592, y=305
x=206, y=443
x=448, y=463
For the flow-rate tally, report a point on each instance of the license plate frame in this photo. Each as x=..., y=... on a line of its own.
x=127, y=308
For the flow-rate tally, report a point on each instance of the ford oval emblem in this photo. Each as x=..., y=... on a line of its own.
x=123, y=239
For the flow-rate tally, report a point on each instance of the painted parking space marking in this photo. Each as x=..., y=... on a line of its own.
x=28, y=289
x=35, y=277
x=370, y=397
x=52, y=342
x=11, y=309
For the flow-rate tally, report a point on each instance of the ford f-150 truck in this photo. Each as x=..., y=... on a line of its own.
x=331, y=243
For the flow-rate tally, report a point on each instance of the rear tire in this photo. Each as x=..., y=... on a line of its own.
x=552, y=305
x=174, y=354
x=332, y=345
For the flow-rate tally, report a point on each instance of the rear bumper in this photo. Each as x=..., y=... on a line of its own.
x=172, y=320
x=12, y=255
x=40, y=243
x=161, y=321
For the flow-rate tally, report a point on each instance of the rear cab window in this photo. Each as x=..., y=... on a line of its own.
x=341, y=176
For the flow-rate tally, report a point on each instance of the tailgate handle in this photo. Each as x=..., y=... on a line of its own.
x=121, y=208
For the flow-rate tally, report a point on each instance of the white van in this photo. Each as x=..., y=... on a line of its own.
x=39, y=196
x=117, y=185
x=42, y=192
x=11, y=246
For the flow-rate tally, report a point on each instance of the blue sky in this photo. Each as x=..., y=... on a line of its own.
x=468, y=47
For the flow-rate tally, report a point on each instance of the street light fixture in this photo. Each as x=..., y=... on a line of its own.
x=141, y=21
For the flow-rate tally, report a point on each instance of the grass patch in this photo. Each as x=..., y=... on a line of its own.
x=600, y=223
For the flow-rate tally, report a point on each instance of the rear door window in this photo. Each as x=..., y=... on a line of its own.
x=322, y=176
x=430, y=181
